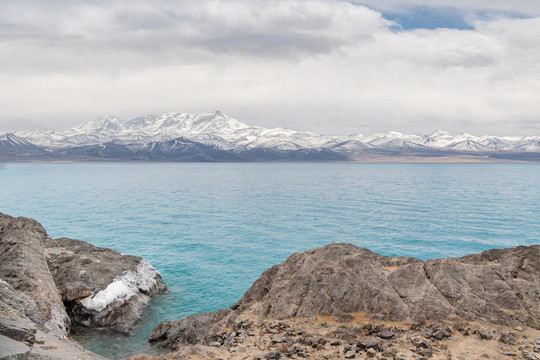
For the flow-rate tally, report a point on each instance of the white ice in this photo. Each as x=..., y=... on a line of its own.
x=115, y=290
x=124, y=286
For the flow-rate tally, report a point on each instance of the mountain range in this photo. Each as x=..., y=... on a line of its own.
x=213, y=136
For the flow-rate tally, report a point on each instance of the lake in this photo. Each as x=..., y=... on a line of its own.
x=211, y=229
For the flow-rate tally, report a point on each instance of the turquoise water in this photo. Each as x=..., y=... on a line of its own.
x=212, y=229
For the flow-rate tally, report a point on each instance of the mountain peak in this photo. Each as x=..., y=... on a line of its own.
x=217, y=130
x=438, y=133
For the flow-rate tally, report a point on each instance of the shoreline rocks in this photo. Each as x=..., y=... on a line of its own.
x=498, y=286
x=101, y=288
x=24, y=267
x=350, y=285
x=47, y=285
x=338, y=301
x=326, y=337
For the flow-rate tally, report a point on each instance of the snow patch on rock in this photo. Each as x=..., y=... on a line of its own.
x=142, y=279
x=115, y=290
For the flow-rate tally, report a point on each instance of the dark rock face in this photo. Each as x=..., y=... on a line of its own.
x=16, y=311
x=191, y=330
x=333, y=280
x=23, y=266
x=40, y=277
x=497, y=286
x=81, y=270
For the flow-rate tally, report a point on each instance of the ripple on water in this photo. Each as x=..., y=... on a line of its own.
x=212, y=229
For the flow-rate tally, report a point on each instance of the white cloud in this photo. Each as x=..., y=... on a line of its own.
x=522, y=7
x=321, y=65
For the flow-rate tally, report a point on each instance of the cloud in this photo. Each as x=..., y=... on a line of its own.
x=121, y=34
x=529, y=8
x=323, y=65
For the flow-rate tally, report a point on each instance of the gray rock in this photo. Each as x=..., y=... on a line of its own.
x=277, y=339
x=368, y=344
x=273, y=355
x=333, y=280
x=496, y=286
x=386, y=334
x=193, y=330
x=440, y=334
x=483, y=334
x=14, y=308
x=18, y=328
x=50, y=347
x=32, y=312
x=344, y=278
x=499, y=286
x=42, y=276
x=11, y=349
x=23, y=266
x=509, y=338
x=79, y=272
x=371, y=352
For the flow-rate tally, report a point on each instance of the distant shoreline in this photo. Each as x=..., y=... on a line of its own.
x=383, y=159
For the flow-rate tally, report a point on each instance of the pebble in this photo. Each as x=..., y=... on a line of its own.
x=386, y=334
x=371, y=352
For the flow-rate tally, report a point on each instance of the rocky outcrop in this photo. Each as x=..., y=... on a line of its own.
x=16, y=312
x=344, y=281
x=47, y=284
x=24, y=267
x=101, y=288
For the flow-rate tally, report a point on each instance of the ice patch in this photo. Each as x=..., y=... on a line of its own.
x=124, y=286
x=142, y=279
x=115, y=290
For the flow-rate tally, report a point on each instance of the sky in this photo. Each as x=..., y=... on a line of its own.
x=328, y=66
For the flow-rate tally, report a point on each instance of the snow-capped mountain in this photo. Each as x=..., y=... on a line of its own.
x=213, y=128
x=161, y=136
x=12, y=144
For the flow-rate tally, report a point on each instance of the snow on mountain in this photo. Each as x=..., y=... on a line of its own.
x=468, y=145
x=438, y=139
x=213, y=128
x=222, y=132
x=529, y=144
x=13, y=144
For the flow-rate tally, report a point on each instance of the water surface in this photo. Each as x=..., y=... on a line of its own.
x=211, y=229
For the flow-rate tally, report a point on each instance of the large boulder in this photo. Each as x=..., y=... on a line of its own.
x=40, y=277
x=343, y=280
x=101, y=288
x=24, y=267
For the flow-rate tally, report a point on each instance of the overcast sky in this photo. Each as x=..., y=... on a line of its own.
x=328, y=66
